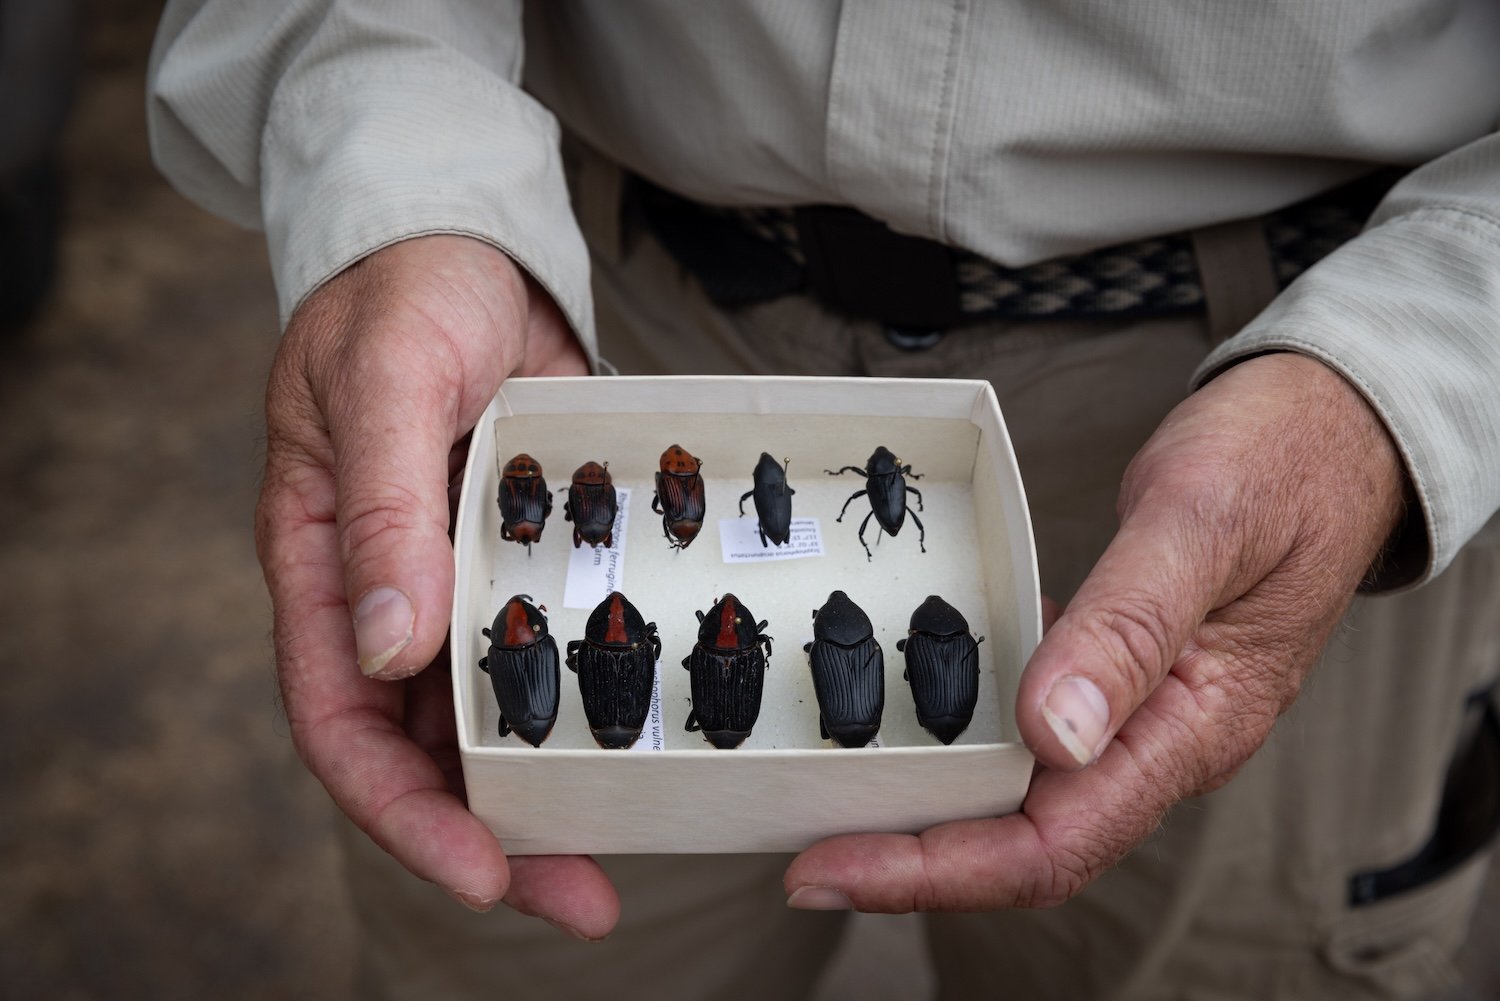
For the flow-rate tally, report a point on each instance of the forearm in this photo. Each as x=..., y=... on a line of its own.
x=1409, y=313
x=343, y=128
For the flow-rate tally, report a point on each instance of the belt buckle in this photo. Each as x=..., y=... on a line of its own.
x=860, y=267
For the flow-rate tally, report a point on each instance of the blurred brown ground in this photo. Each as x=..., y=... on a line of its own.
x=158, y=838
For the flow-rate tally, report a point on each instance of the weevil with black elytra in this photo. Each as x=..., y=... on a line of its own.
x=525, y=502
x=727, y=669
x=848, y=671
x=523, y=667
x=616, y=666
x=679, y=496
x=773, y=500
x=591, y=505
x=942, y=667
x=885, y=484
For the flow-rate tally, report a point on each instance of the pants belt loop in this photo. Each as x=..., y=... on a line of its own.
x=1234, y=265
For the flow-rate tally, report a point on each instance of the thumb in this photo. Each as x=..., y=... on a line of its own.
x=392, y=428
x=397, y=388
x=1119, y=637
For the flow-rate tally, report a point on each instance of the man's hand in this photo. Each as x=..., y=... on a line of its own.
x=380, y=376
x=1246, y=523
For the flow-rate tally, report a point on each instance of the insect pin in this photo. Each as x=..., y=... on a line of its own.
x=523, y=667
x=525, y=502
x=885, y=483
x=727, y=668
x=591, y=505
x=942, y=667
x=616, y=666
x=773, y=500
x=679, y=496
x=848, y=670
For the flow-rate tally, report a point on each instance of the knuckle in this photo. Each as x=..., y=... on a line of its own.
x=1134, y=637
x=373, y=521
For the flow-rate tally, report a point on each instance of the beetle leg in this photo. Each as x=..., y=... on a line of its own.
x=700, y=616
x=906, y=471
x=504, y=726
x=577, y=537
x=505, y=533
x=484, y=664
x=546, y=504
x=486, y=631
x=656, y=503
x=921, y=532
x=609, y=539
x=691, y=726
x=687, y=662
x=567, y=511
x=654, y=639
x=901, y=645
x=847, y=469
x=822, y=728
x=807, y=647
x=748, y=494
x=767, y=641
x=868, y=555
x=914, y=490
x=573, y=646
x=762, y=532
x=847, y=503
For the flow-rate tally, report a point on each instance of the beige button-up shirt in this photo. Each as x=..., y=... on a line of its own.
x=1018, y=129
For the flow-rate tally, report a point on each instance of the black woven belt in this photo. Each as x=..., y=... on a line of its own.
x=858, y=266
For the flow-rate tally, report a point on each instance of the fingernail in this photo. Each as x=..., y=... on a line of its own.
x=1078, y=714
x=569, y=930
x=474, y=903
x=382, y=628
x=818, y=898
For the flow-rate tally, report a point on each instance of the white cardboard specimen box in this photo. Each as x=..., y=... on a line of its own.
x=785, y=787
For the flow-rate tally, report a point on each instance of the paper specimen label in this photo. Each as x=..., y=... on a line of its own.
x=653, y=735
x=739, y=539
x=594, y=572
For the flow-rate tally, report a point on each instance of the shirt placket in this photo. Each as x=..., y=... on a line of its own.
x=891, y=109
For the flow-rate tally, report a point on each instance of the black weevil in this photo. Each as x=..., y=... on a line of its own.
x=848, y=670
x=942, y=667
x=523, y=667
x=679, y=496
x=773, y=500
x=524, y=501
x=591, y=505
x=728, y=668
x=616, y=665
x=885, y=482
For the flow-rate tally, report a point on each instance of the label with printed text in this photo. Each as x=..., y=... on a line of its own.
x=653, y=735
x=593, y=572
x=739, y=539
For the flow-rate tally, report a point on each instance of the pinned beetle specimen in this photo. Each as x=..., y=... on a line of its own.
x=728, y=668
x=942, y=667
x=591, y=505
x=679, y=496
x=885, y=482
x=848, y=670
x=522, y=665
x=616, y=664
x=773, y=500
x=524, y=501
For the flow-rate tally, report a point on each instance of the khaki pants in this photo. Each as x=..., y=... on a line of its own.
x=1241, y=894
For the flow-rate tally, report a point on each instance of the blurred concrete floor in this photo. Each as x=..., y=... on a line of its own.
x=159, y=838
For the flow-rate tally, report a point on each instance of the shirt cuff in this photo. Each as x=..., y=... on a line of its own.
x=351, y=164
x=1409, y=313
